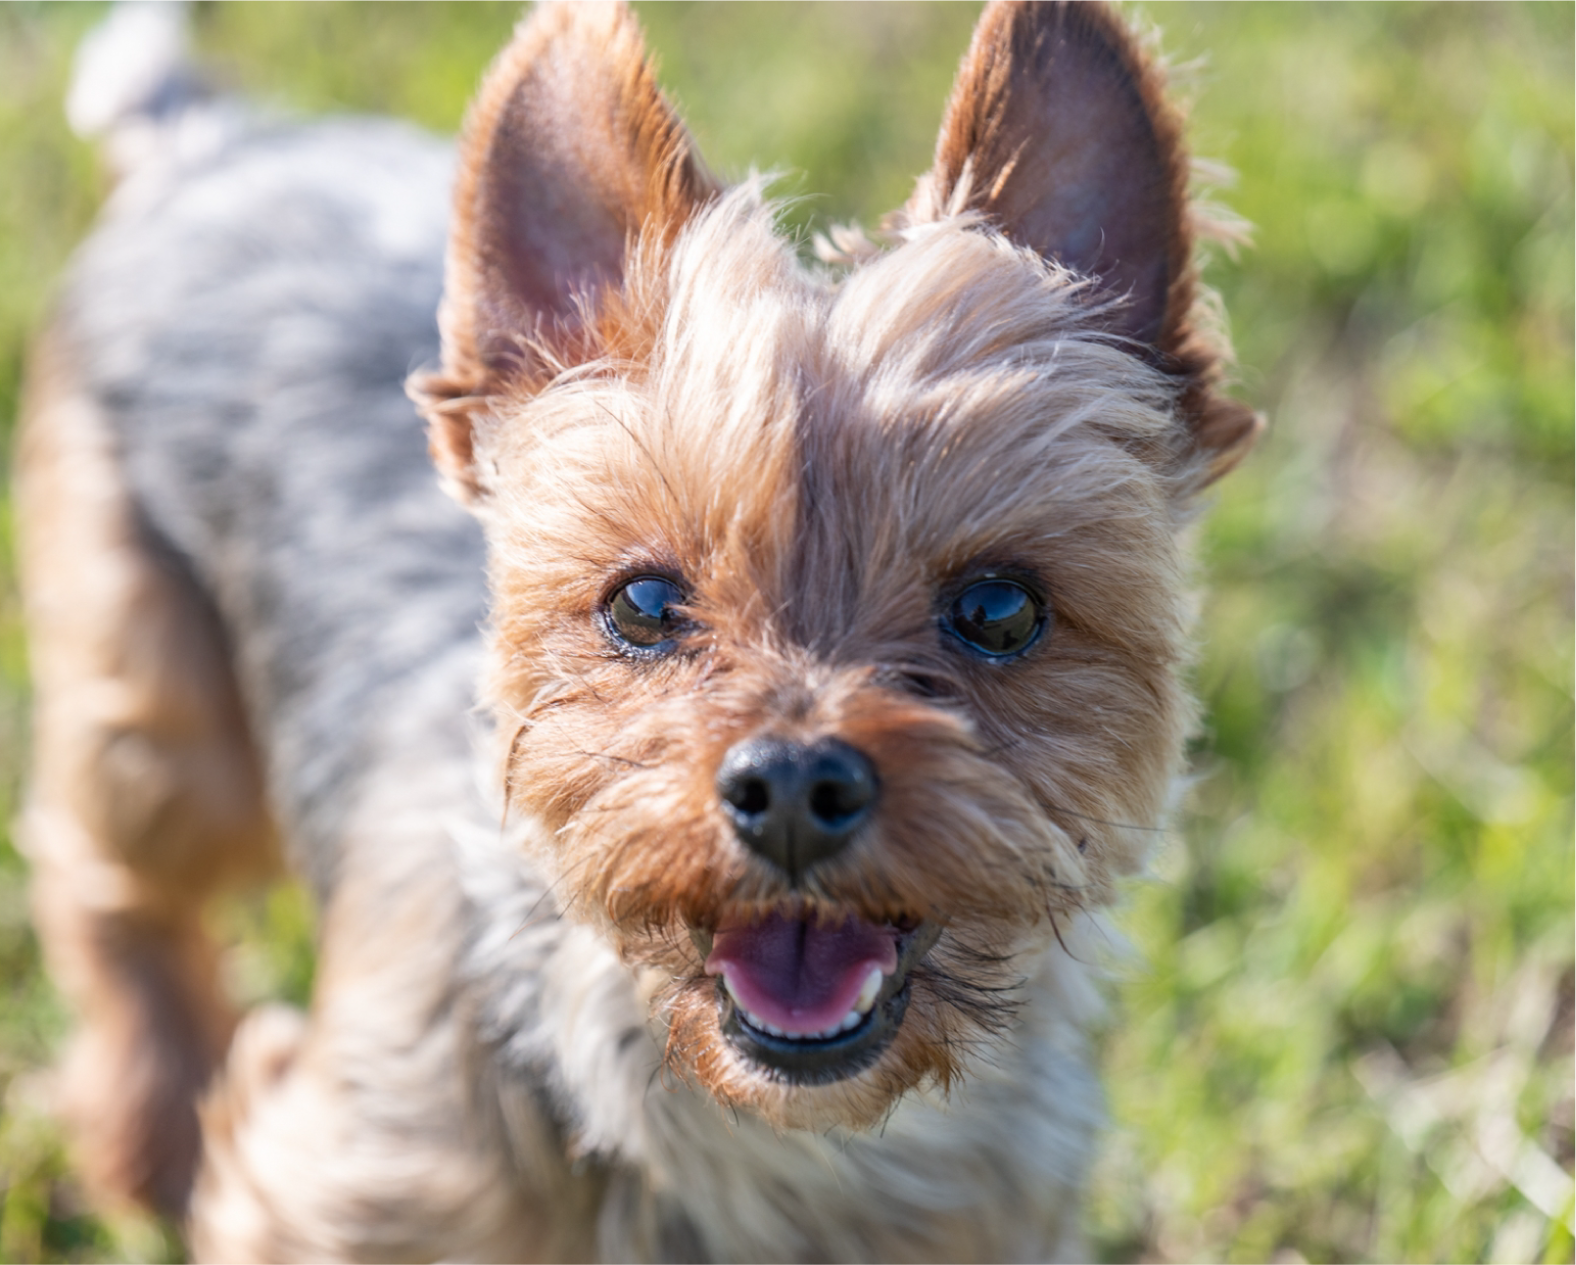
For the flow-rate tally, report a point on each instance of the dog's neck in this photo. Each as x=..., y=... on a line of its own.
x=685, y=1178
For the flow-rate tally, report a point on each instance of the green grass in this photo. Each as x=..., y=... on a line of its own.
x=1346, y=1032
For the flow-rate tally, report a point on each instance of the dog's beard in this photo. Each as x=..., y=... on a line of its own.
x=779, y=1034
x=886, y=968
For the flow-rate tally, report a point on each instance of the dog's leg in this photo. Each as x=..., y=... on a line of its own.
x=145, y=796
x=381, y=1128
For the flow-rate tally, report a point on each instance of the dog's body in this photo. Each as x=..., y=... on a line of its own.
x=256, y=616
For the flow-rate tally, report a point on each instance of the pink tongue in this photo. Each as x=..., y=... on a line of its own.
x=800, y=976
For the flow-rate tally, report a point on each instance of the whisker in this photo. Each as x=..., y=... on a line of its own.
x=530, y=914
x=1117, y=825
x=640, y=444
x=608, y=755
x=508, y=775
x=1052, y=807
x=1057, y=928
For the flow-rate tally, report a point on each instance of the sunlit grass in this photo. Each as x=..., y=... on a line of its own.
x=1347, y=1031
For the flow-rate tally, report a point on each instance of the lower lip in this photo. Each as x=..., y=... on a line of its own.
x=820, y=1061
x=760, y=1034
x=830, y=1059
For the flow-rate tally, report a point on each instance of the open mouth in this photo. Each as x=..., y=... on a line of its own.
x=814, y=1000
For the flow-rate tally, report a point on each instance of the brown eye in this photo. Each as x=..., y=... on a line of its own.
x=998, y=618
x=642, y=612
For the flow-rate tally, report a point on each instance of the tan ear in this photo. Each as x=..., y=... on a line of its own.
x=1060, y=133
x=569, y=155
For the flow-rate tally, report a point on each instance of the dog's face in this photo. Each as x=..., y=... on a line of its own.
x=837, y=616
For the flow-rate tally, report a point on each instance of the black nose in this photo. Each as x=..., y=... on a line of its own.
x=796, y=804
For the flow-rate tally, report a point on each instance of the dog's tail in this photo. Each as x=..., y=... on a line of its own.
x=134, y=86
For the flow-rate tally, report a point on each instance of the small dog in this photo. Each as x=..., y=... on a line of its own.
x=833, y=617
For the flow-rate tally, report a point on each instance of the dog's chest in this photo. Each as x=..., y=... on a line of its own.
x=984, y=1174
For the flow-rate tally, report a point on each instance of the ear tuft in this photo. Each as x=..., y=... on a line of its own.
x=570, y=156
x=1059, y=132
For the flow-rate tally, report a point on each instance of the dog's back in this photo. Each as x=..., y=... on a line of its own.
x=246, y=326
x=240, y=571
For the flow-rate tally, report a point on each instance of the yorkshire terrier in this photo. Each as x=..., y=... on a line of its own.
x=829, y=617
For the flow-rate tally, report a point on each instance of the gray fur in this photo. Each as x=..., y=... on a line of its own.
x=248, y=325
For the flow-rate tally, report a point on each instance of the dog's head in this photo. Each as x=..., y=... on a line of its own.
x=837, y=613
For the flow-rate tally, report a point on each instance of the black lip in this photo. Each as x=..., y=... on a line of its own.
x=829, y=1059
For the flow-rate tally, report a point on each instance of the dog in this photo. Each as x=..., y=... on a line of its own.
x=829, y=618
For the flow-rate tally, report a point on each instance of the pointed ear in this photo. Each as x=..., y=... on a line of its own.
x=1059, y=133
x=569, y=157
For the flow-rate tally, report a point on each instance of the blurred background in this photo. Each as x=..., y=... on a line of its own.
x=1346, y=1030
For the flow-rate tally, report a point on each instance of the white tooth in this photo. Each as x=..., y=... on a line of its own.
x=851, y=1020
x=867, y=994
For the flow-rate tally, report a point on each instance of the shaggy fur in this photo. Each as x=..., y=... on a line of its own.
x=515, y=1049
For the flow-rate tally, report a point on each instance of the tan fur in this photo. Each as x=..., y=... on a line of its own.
x=952, y=450
x=146, y=796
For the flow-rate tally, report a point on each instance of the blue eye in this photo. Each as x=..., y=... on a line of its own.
x=642, y=612
x=998, y=618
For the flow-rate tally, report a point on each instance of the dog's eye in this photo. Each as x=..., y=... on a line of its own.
x=642, y=611
x=999, y=618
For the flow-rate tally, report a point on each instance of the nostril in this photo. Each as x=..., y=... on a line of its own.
x=756, y=783
x=832, y=803
x=751, y=796
x=842, y=786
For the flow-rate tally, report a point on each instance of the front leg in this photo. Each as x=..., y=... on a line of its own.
x=379, y=1127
